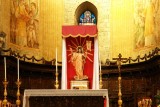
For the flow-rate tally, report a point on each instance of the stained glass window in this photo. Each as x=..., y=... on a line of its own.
x=87, y=18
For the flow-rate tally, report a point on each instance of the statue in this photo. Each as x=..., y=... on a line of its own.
x=78, y=61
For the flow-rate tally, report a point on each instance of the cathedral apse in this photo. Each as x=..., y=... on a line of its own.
x=147, y=25
x=24, y=23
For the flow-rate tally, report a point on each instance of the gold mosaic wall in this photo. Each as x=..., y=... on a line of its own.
x=122, y=29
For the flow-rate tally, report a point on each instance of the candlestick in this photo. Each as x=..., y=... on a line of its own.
x=5, y=72
x=5, y=83
x=56, y=60
x=56, y=82
x=18, y=101
x=18, y=67
x=100, y=81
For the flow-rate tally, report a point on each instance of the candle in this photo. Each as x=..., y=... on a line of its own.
x=56, y=60
x=18, y=67
x=5, y=72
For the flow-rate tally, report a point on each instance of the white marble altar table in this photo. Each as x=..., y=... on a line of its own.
x=52, y=92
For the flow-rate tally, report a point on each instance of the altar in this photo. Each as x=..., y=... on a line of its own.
x=98, y=98
x=80, y=73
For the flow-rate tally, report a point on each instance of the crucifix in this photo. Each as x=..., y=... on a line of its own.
x=119, y=60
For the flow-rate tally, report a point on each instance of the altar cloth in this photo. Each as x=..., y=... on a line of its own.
x=53, y=92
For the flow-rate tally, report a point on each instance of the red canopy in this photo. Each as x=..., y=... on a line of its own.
x=82, y=31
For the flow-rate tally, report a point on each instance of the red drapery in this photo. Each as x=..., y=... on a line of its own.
x=82, y=31
x=78, y=36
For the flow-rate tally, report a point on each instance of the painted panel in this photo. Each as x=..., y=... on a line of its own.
x=146, y=16
x=24, y=22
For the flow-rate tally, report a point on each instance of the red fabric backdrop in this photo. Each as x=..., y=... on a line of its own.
x=77, y=36
x=83, y=31
x=88, y=66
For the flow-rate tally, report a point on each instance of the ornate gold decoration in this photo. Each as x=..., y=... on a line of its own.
x=145, y=102
x=56, y=74
x=100, y=81
x=5, y=83
x=56, y=82
x=100, y=74
x=18, y=101
x=119, y=59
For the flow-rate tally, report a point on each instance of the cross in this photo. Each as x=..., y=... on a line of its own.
x=119, y=59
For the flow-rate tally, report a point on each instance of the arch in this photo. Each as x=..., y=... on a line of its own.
x=84, y=7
